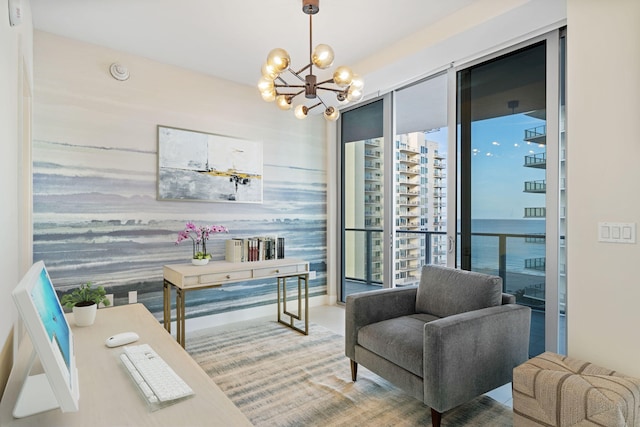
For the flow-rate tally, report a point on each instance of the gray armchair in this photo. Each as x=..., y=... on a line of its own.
x=445, y=342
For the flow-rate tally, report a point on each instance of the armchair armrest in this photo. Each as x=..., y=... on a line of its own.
x=470, y=353
x=370, y=307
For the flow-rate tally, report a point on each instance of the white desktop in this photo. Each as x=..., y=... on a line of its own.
x=94, y=388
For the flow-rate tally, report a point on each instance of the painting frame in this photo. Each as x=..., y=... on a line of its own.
x=198, y=166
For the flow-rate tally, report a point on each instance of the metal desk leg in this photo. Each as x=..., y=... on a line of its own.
x=180, y=325
x=279, y=319
x=293, y=316
x=306, y=301
x=166, y=296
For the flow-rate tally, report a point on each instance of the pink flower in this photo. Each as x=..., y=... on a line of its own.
x=199, y=235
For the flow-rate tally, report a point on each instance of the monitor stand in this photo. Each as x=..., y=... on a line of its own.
x=35, y=395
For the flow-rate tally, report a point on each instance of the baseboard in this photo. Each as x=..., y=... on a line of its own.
x=6, y=361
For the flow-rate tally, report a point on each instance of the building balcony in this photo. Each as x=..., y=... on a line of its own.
x=535, y=212
x=537, y=135
x=408, y=160
x=538, y=161
x=372, y=142
x=405, y=170
x=538, y=264
x=407, y=214
x=535, y=239
x=539, y=186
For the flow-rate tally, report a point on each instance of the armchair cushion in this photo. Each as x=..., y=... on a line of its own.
x=444, y=291
x=398, y=340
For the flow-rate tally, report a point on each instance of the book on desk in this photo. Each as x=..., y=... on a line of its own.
x=254, y=249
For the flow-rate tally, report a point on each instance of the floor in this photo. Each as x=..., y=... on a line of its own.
x=332, y=318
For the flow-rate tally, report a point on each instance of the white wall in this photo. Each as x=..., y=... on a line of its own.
x=15, y=77
x=603, y=82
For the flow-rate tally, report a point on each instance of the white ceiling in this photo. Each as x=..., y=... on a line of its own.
x=231, y=39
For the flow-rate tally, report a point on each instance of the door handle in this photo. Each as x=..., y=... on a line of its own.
x=450, y=245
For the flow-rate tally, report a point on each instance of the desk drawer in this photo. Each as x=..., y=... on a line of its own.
x=279, y=270
x=229, y=276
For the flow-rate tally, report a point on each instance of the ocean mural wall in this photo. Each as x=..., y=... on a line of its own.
x=96, y=218
x=96, y=212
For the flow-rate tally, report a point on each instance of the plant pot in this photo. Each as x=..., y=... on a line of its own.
x=85, y=315
x=203, y=261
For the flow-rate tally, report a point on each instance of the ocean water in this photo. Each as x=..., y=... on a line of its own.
x=485, y=249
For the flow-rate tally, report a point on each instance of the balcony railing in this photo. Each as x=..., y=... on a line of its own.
x=539, y=186
x=538, y=160
x=432, y=249
x=537, y=134
x=535, y=212
x=539, y=263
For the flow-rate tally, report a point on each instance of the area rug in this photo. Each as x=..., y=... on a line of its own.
x=279, y=377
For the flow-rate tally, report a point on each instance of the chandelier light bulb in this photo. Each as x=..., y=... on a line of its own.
x=301, y=112
x=278, y=59
x=269, y=72
x=354, y=95
x=357, y=83
x=269, y=95
x=265, y=84
x=322, y=56
x=342, y=76
x=283, y=102
x=331, y=114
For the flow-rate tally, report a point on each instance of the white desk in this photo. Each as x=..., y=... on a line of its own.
x=188, y=277
x=108, y=396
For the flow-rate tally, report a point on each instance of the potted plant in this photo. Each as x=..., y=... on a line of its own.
x=84, y=301
x=199, y=237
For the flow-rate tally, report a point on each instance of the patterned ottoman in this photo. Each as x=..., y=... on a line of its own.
x=554, y=390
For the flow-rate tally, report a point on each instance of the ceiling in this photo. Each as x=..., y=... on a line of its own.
x=231, y=39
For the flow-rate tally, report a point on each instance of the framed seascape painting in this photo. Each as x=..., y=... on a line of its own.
x=198, y=166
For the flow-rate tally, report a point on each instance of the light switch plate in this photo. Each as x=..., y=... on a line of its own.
x=617, y=232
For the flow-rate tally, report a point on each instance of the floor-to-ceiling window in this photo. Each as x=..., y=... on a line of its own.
x=364, y=192
x=505, y=154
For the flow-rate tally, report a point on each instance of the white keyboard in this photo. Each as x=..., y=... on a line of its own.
x=155, y=379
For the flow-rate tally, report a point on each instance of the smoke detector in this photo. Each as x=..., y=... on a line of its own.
x=119, y=72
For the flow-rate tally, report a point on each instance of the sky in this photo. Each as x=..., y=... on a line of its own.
x=498, y=172
x=497, y=167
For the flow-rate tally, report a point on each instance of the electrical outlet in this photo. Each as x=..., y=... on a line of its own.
x=133, y=297
x=110, y=298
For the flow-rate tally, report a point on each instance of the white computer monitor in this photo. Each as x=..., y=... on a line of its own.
x=52, y=341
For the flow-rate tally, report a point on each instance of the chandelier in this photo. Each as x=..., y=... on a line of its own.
x=346, y=85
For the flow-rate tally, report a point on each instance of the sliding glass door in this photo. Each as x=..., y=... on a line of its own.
x=508, y=177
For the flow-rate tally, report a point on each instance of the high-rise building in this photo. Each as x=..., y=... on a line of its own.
x=420, y=206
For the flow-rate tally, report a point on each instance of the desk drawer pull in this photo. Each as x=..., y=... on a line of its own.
x=228, y=276
x=277, y=271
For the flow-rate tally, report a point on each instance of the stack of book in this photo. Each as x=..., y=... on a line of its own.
x=254, y=249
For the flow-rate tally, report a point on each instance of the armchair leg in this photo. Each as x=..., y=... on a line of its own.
x=354, y=370
x=435, y=418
